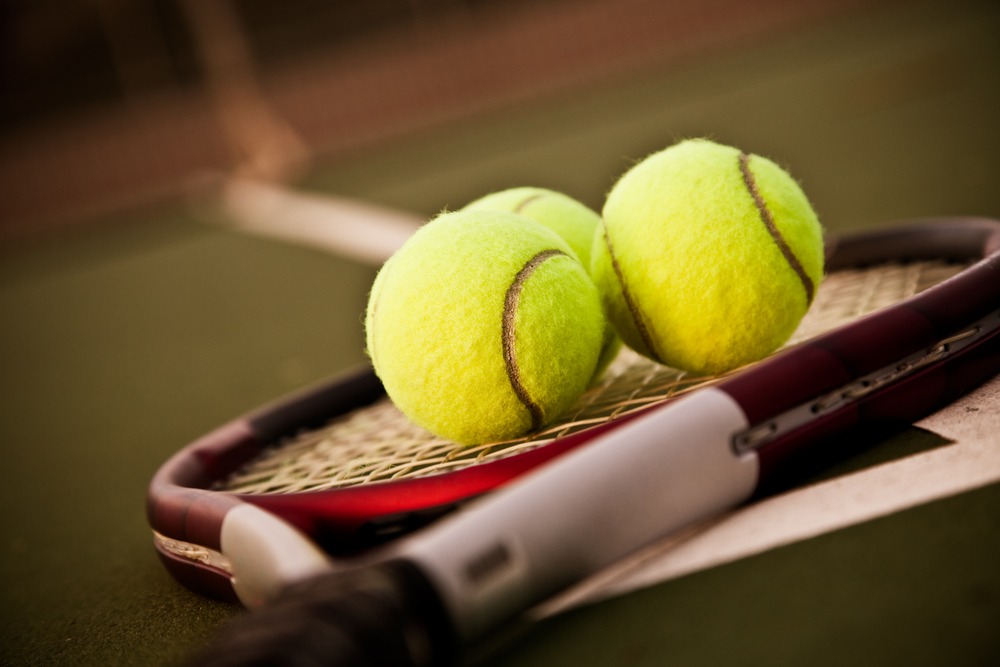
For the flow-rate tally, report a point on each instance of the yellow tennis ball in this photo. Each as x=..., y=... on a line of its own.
x=484, y=326
x=573, y=221
x=708, y=257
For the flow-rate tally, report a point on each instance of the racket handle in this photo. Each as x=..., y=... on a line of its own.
x=385, y=614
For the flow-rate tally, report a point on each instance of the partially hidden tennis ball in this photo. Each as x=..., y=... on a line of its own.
x=484, y=326
x=707, y=257
x=574, y=221
x=570, y=219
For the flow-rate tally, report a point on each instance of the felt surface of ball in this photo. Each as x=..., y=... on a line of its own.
x=573, y=221
x=484, y=326
x=707, y=258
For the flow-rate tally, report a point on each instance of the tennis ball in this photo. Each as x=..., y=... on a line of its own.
x=484, y=326
x=707, y=257
x=573, y=221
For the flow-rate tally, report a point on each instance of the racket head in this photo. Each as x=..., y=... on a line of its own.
x=363, y=503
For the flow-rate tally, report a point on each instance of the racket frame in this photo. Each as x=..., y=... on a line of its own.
x=190, y=519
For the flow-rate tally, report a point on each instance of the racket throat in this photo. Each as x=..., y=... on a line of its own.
x=539, y=535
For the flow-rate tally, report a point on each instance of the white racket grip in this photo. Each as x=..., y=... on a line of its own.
x=266, y=554
x=587, y=509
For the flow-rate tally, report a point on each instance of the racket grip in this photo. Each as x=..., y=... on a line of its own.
x=385, y=614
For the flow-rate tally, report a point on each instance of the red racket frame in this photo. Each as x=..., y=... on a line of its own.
x=181, y=505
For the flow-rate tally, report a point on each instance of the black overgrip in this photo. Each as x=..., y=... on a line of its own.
x=387, y=614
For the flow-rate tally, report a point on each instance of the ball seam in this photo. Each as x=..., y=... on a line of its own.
x=637, y=318
x=530, y=199
x=768, y=219
x=508, y=336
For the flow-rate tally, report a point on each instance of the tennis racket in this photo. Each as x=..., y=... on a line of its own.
x=288, y=505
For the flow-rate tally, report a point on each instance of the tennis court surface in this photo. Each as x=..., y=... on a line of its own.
x=141, y=321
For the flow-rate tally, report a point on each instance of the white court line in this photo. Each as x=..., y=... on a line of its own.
x=973, y=461
x=343, y=227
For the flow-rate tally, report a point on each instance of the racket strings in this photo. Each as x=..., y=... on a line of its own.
x=378, y=443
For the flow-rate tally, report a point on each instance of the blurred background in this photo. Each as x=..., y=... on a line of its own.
x=130, y=326
x=113, y=103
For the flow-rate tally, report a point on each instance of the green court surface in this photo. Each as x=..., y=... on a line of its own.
x=123, y=341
